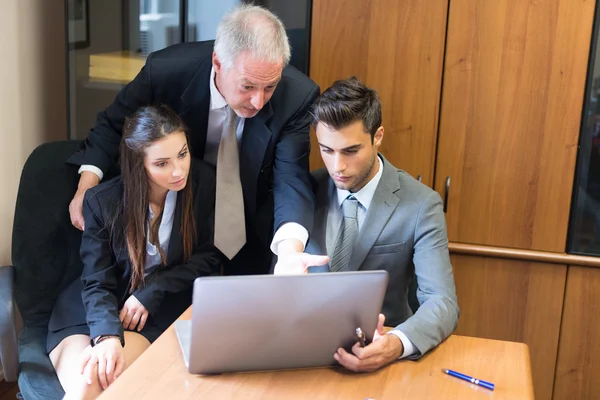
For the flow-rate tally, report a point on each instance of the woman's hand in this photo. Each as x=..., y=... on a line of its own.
x=133, y=313
x=105, y=360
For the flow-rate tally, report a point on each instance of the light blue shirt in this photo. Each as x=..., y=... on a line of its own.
x=364, y=197
x=164, y=233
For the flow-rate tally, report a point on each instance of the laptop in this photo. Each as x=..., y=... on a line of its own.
x=272, y=322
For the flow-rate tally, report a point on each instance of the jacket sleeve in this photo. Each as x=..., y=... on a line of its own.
x=99, y=276
x=292, y=191
x=438, y=312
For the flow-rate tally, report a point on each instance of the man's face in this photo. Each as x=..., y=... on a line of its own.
x=349, y=154
x=249, y=84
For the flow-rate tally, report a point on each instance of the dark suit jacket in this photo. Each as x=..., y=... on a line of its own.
x=404, y=233
x=107, y=268
x=274, y=151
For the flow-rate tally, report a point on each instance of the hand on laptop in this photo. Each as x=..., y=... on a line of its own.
x=382, y=351
x=133, y=314
x=294, y=263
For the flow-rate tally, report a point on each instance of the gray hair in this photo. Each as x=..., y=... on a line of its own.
x=254, y=29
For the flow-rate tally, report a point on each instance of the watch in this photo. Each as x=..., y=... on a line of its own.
x=100, y=338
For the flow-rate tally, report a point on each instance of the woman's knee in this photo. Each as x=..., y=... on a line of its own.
x=69, y=350
x=67, y=361
x=80, y=389
x=135, y=345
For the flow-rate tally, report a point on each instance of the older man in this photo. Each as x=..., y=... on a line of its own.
x=246, y=113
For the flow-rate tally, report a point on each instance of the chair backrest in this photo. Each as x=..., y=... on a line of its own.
x=45, y=245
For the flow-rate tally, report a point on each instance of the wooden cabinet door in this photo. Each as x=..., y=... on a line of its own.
x=513, y=90
x=397, y=48
x=512, y=300
x=578, y=365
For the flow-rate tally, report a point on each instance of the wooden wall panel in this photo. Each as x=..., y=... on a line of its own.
x=396, y=47
x=514, y=80
x=518, y=301
x=578, y=366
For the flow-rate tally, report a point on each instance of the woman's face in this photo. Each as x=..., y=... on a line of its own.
x=167, y=162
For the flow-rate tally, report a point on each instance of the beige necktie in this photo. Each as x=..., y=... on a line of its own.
x=230, y=224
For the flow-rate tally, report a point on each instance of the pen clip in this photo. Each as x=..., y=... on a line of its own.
x=361, y=337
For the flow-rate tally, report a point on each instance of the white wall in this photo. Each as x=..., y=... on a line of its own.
x=206, y=15
x=32, y=93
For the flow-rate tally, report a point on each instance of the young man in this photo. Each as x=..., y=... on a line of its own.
x=372, y=216
x=246, y=112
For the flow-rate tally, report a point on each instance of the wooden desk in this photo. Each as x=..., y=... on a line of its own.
x=116, y=67
x=161, y=374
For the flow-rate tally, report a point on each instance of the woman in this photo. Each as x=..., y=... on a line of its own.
x=148, y=235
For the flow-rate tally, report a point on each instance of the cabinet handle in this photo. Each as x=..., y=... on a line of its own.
x=446, y=194
x=419, y=178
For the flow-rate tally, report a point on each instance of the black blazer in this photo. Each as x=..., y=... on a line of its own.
x=274, y=163
x=107, y=267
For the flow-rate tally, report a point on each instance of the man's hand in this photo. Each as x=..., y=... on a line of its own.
x=106, y=360
x=291, y=260
x=133, y=314
x=384, y=349
x=298, y=263
x=87, y=180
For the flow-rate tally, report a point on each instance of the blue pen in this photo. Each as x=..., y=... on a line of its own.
x=478, y=382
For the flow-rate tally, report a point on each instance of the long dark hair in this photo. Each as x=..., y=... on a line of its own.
x=144, y=127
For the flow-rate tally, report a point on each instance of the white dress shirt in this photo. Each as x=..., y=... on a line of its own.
x=364, y=197
x=216, y=119
x=164, y=233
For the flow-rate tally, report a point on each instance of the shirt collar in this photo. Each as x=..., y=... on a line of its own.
x=217, y=100
x=170, y=202
x=364, y=195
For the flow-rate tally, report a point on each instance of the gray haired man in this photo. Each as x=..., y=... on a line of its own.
x=246, y=111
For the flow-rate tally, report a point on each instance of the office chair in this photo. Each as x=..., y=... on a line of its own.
x=45, y=258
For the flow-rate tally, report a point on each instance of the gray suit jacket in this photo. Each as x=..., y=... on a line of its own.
x=404, y=232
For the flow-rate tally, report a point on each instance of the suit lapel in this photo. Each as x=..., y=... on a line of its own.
x=255, y=140
x=382, y=206
x=332, y=227
x=195, y=106
x=176, y=241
